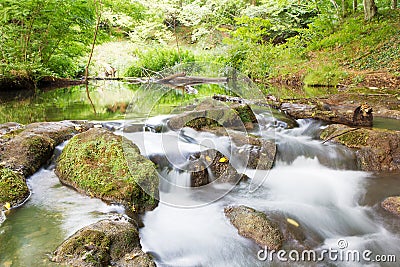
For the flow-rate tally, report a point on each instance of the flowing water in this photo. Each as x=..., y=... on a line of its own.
x=315, y=184
x=310, y=183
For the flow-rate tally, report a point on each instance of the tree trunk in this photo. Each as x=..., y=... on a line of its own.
x=336, y=6
x=344, y=8
x=394, y=4
x=354, y=5
x=370, y=9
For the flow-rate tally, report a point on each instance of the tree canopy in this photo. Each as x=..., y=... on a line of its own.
x=50, y=37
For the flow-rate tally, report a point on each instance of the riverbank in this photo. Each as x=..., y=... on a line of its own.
x=23, y=83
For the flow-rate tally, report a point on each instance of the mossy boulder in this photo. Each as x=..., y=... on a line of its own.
x=376, y=149
x=256, y=226
x=26, y=152
x=13, y=188
x=215, y=113
x=24, y=149
x=104, y=243
x=28, y=148
x=110, y=167
x=392, y=204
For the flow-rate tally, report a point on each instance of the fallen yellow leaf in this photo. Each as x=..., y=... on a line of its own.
x=223, y=159
x=7, y=205
x=292, y=222
x=208, y=158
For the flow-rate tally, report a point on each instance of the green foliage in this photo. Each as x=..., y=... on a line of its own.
x=253, y=30
x=157, y=59
x=260, y=38
x=326, y=75
x=35, y=31
x=266, y=34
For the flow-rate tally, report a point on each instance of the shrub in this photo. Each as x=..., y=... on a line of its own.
x=155, y=60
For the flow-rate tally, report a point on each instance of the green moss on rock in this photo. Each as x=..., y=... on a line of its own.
x=110, y=167
x=103, y=243
x=13, y=188
x=211, y=113
x=376, y=149
x=354, y=139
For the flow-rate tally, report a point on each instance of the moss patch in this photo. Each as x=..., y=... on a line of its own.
x=376, y=149
x=210, y=113
x=103, y=243
x=91, y=245
x=354, y=139
x=13, y=188
x=109, y=167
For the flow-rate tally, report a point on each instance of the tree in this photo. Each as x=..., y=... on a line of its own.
x=394, y=4
x=370, y=9
x=43, y=37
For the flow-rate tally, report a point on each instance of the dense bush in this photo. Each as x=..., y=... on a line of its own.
x=156, y=59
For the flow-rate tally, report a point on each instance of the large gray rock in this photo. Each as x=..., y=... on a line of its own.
x=27, y=148
x=104, y=243
x=110, y=167
x=376, y=149
x=210, y=113
x=256, y=226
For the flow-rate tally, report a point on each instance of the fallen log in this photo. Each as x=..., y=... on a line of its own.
x=348, y=114
x=181, y=80
x=323, y=109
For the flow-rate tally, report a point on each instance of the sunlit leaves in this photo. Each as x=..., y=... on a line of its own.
x=38, y=30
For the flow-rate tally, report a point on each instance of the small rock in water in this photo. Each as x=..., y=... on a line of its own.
x=255, y=225
x=214, y=161
x=392, y=204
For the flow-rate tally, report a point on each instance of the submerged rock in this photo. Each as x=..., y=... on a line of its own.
x=255, y=225
x=13, y=188
x=110, y=167
x=376, y=149
x=392, y=204
x=214, y=113
x=104, y=243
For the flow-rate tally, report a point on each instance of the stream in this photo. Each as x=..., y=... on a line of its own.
x=315, y=184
